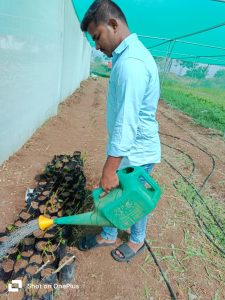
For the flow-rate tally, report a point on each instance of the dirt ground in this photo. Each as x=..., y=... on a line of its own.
x=192, y=265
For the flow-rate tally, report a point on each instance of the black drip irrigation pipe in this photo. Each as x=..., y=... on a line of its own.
x=186, y=154
x=172, y=293
x=204, y=134
x=213, y=134
x=206, y=179
x=196, y=215
x=197, y=192
x=211, y=156
x=204, y=151
x=201, y=149
x=170, y=119
x=177, y=125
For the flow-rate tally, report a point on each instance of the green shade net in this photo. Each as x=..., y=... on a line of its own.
x=161, y=22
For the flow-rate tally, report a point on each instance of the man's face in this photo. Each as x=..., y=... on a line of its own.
x=104, y=37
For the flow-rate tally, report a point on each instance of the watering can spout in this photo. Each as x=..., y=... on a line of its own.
x=44, y=222
x=90, y=218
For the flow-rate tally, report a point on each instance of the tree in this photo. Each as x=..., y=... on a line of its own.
x=198, y=73
x=187, y=64
x=220, y=74
x=160, y=61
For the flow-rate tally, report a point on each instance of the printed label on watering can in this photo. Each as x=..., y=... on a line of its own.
x=126, y=214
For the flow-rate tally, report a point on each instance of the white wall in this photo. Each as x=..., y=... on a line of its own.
x=43, y=57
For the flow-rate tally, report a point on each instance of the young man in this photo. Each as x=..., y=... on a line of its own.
x=133, y=95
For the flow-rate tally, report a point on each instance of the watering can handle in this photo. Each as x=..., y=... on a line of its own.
x=148, y=179
x=96, y=193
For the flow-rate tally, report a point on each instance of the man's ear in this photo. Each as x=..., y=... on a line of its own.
x=113, y=23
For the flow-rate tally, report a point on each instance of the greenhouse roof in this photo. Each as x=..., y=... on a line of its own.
x=192, y=30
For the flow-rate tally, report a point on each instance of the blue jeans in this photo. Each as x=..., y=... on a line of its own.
x=137, y=231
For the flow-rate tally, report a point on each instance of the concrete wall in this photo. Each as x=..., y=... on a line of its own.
x=43, y=58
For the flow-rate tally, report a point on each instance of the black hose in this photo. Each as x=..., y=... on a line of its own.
x=204, y=151
x=206, y=179
x=172, y=293
x=181, y=151
x=196, y=215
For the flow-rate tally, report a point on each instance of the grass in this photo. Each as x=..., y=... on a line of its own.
x=193, y=249
x=203, y=207
x=190, y=255
x=205, y=105
x=203, y=100
x=100, y=69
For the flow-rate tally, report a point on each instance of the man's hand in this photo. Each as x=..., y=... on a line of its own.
x=109, y=178
x=109, y=181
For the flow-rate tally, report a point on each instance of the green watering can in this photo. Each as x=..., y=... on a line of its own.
x=121, y=207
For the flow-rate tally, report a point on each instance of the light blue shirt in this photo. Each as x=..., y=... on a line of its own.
x=133, y=95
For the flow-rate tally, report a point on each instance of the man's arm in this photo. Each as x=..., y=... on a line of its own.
x=109, y=179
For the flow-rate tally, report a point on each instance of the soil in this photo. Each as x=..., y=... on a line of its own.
x=7, y=265
x=192, y=265
x=20, y=264
x=31, y=269
x=26, y=254
x=37, y=259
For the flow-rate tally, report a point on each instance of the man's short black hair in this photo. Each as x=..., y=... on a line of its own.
x=100, y=11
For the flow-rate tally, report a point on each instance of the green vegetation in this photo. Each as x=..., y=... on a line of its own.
x=199, y=72
x=100, y=69
x=201, y=98
x=209, y=212
x=11, y=227
x=220, y=74
x=206, y=105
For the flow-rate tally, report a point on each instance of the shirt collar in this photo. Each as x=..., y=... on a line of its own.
x=124, y=44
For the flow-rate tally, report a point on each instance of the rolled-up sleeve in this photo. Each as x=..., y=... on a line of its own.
x=130, y=88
